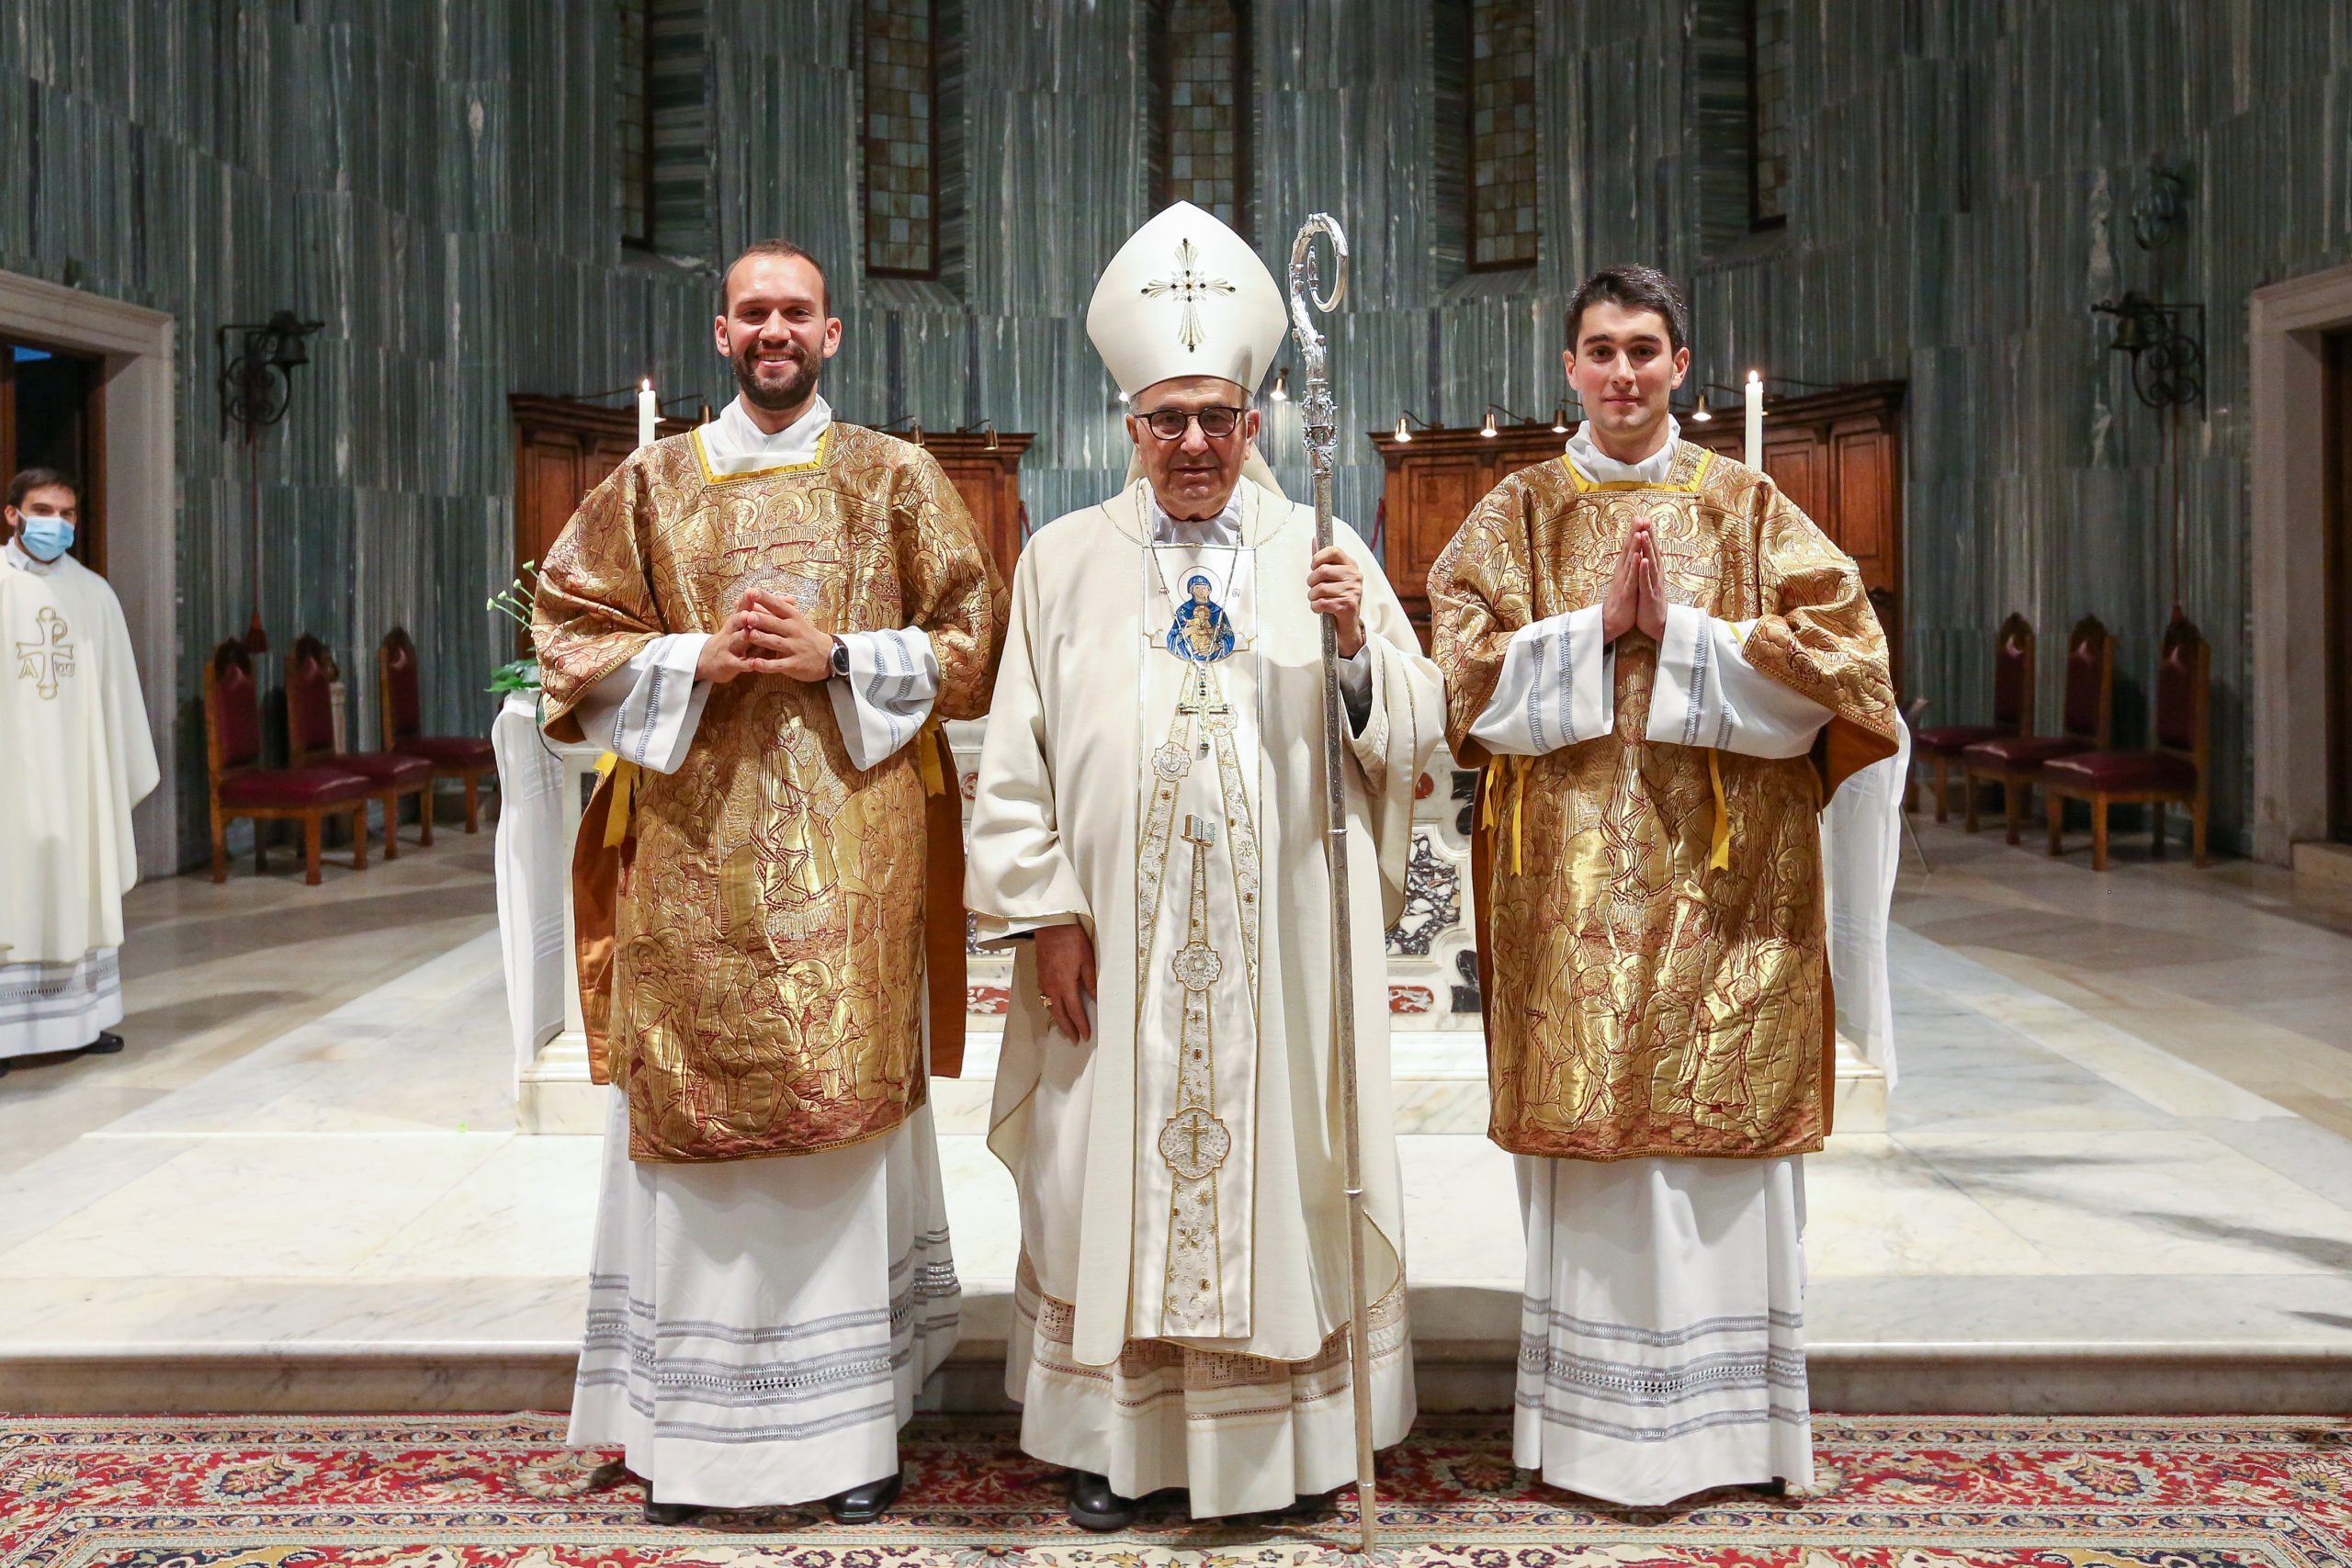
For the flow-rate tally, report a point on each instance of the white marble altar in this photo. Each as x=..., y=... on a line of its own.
x=1435, y=1035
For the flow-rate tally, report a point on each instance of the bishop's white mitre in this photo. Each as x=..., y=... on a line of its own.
x=1186, y=296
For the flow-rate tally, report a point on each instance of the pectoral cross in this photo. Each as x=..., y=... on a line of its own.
x=1201, y=696
x=48, y=656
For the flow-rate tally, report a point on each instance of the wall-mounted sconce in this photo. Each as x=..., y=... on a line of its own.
x=985, y=427
x=2165, y=344
x=914, y=427
x=1281, y=393
x=2158, y=205
x=1560, y=420
x=256, y=383
x=257, y=389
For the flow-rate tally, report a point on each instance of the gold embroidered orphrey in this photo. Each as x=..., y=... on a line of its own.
x=1194, y=1141
x=48, y=656
x=773, y=901
x=1638, y=1002
x=1190, y=288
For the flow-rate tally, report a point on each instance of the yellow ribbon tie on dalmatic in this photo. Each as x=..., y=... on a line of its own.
x=624, y=777
x=934, y=780
x=1721, y=857
x=1511, y=773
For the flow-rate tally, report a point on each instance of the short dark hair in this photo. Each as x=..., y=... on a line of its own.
x=776, y=245
x=1634, y=289
x=30, y=479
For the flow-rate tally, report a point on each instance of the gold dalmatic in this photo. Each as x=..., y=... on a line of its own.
x=770, y=904
x=1640, y=999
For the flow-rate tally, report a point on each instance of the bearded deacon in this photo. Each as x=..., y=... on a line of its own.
x=1149, y=831
x=1667, y=668
x=761, y=619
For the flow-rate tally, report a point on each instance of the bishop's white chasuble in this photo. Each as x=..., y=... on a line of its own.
x=73, y=721
x=1152, y=772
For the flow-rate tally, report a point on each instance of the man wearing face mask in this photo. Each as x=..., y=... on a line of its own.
x=66, y=857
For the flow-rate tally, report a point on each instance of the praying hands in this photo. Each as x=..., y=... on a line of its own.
x=1636, y=595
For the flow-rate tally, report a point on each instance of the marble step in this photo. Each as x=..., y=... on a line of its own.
x=1469, y=1367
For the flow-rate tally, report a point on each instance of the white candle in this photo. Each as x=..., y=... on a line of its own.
x=649, y=413
x=1755, y=419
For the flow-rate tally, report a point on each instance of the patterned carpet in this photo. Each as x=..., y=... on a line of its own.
x=462, y=1491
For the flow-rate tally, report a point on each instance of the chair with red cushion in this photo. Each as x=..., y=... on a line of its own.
x=463, y=757
x=2173, y=770
x=1940, y=746
x=2014, y=761
x=311, y=675
x=240, y=787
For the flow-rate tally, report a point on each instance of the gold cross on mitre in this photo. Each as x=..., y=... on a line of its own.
x=1191, y=288
x=48, y=655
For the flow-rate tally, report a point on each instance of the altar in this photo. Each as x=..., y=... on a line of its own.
x=1435, y=1035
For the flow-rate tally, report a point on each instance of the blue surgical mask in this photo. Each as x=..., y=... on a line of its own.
x=45, y=538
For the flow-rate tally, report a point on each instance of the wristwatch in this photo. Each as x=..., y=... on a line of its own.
x=841, y=657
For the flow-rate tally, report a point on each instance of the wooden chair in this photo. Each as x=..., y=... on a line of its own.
x=2014, y=761
x=311, y=673
x=1940, y=747
x=240, y=787
x=463, y=757
x=2175, y=769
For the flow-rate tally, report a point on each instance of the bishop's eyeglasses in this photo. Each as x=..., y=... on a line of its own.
x=1216, y=421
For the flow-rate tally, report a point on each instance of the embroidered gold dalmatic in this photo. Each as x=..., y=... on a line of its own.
x=1641, y=1001
x=771, y=908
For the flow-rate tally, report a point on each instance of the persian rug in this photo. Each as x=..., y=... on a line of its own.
x=463, y=1491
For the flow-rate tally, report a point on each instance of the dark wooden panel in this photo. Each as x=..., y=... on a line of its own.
x=547, y=492
x=1798, y=463
x=1863, y=463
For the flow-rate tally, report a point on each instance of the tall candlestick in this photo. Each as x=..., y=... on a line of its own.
x=649, y=413
x=1755, y=419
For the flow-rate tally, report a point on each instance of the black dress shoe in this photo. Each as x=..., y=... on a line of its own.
x=669, y=1513
x=864, y=1504
x=1094, y=1506
x=106, y=1045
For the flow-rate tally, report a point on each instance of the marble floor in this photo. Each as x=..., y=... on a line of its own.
x=2118, y=1157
